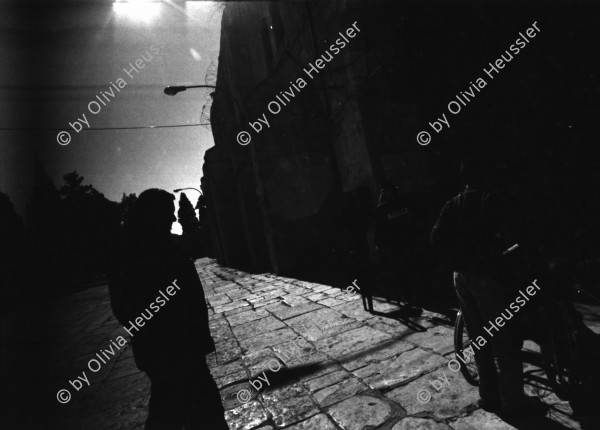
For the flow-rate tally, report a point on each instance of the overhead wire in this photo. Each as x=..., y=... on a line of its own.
x=107, y=128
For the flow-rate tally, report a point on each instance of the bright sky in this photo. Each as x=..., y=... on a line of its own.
x=92, y=44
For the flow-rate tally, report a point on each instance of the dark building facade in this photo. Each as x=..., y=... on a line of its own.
x=310, y=178
x=299, y=198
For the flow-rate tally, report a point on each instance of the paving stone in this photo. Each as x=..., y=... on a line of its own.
x=228, y=355
x=481, y=420
x=238, y=294
x=318, y=422
x=230, y=306
x=284, y=312
x=403, y=367
x=353, y=310
x=216, y=317
x=222, y=333
x=320, y=288
x=332, y=291
x=411, y=423
x=231, y=378
x=257, y=327
x=420, y=396
x=226, y=344
x=326, y=380
x=211, y=360
x=352, y=342
x=267, y=290
x=439, y=339
x=246, y=416
x=329, y=331
x=311, y=325
x=349, y=297
x=246, y=316
x=293, y=349
x=225, y=287
x=236, y=311
x=267, y=339
x=286, y=411
x=388, y=349
x=292, y=389
x=258, y=361
x=340, y=391
x=361, y=413
x=218, y=300
x=430, y=319
x=218, y=323
x=306, y=293
x=239, y=393
x=225, y=369
x=316, y=297
x=330, y=302
x=295, y=300
x=392, y=326
x=265, y=302
x=313, y=366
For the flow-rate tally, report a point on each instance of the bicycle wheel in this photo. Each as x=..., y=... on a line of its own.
x=560, y=351
x=461, y=340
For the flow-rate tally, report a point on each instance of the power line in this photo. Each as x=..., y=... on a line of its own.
x=108, y=128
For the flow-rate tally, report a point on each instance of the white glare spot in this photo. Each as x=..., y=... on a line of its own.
x=137, y=10
x=195, y=54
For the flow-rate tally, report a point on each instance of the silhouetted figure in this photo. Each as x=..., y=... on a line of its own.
x=174, y=339
x=472, y=230
x=396, y=240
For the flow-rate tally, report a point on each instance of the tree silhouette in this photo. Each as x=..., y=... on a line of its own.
x=43, y=206
x=187, y=216
x=126, y=202
x=69, y=233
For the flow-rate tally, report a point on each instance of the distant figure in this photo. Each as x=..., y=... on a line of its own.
x=473, y=231
x=396, y=240
x=172, y=344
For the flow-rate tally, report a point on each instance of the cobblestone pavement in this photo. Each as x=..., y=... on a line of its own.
x=352, y=370
x=357, y=371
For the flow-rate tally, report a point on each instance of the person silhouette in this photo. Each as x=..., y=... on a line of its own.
x=474, y=229
x=171, y=343
x=396, y=241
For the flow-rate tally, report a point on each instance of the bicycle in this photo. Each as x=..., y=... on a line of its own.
x=555, y=323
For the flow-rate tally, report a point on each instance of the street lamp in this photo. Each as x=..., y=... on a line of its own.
x=171, y=90
x=176, y=190
x=175, y=89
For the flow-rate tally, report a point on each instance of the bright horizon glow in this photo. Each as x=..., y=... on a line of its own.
x=137, y=10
